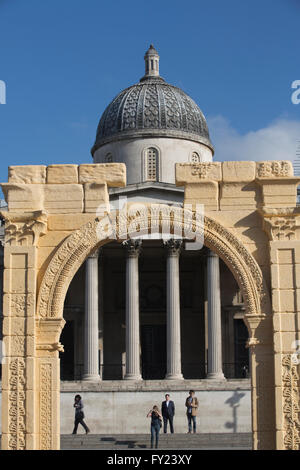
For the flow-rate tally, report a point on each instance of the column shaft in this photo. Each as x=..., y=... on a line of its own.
x=173, y=311
x=91, y=358
x=132, y=311
x=214, y=369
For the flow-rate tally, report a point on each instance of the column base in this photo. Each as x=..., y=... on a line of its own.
x=91, y=378
x=174, y=377
x=132, y=377
x=217, y=376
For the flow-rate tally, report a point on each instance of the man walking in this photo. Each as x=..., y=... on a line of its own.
x=168, y=412
x=191, y=404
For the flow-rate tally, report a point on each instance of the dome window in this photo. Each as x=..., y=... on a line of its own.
x=151, y=164
x=108, y=158
x=195, y=157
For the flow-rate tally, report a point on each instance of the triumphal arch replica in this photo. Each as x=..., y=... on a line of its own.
x=184, y=222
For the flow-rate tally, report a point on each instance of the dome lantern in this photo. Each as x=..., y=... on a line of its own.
x=151, y=62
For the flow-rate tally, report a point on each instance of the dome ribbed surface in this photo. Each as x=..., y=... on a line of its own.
x=153, y=108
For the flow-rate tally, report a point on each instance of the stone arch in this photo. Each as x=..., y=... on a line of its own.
x=75, y=249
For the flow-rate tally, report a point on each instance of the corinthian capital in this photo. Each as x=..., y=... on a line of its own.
x=173, y=246
x=133, y=247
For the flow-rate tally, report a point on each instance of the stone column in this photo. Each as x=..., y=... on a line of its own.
x=173, y=310
x=91, y=354
x=214, y=369
x=133, y=371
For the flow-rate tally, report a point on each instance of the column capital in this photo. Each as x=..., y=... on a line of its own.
x=173, y=246
x=95, y=254
x=133, y=247
x=212, y=254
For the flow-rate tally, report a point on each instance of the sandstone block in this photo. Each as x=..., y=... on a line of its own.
x=203, y=193
x=113, y=174
x=282, y=276
x=238, y=171
x=197, y=172
x=19, y=281
x=62, y=174
x=96, y=198
x=283, y=342
x=27, y=174
x=20, y=257
x=53, y=239
x=16, y=346
x=286, y=321
x=23, y=197
x=19, y=305
x=68, y=222
x=283, y=300
x=274, y=169
x=283, y=252
x=60, y=198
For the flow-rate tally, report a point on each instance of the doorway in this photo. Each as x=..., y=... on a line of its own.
x=153, y=342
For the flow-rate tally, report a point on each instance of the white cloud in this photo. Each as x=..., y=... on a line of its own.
x=278, y=141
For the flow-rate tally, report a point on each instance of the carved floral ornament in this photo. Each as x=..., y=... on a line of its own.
x=291, y=404
x=24, y=229
x=201, y=169
x=274, y=169
x=76, y=248
x=281, y=224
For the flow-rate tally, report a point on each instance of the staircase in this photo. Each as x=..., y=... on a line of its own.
x=233, y=441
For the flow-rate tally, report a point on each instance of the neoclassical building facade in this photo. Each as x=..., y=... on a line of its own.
x=152, y=269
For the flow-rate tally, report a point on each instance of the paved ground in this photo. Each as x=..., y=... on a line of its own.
x=232, y=441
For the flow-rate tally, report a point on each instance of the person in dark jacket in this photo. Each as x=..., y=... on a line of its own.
x=168, y=412
x=79, y=415
x=156, y=419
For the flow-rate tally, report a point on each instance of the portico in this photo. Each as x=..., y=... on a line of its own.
x=151, y=313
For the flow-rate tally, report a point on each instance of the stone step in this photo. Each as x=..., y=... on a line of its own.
x=166, y=441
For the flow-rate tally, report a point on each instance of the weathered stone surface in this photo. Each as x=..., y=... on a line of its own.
x=62, y=174
x=96, y=198
x=198, y=172
x=68, y=222
x=60, y=199
x=205, y=193
x=23, y=197
x=238, y=171
x=113, y=174
x=274, y=168
x=27, y=174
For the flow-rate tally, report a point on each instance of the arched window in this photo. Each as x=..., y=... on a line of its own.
x=108, y=158
x=151, y=164
x=195, y=157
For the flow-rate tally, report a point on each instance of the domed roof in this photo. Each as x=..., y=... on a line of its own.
x=152, y=108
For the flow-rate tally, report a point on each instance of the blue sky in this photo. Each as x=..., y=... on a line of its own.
x=64, y=60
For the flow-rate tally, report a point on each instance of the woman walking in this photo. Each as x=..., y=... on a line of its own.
x=79, y=415
x=156, y=423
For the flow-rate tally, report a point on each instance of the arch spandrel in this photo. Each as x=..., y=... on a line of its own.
x=75, y=249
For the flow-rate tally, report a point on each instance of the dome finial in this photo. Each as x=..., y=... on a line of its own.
x=151, y=62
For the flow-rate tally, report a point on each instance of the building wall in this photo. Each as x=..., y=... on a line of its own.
x=110, y=412
x=125, y=411
x=170, y=151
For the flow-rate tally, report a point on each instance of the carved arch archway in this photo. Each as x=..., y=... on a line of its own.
x=75, y=249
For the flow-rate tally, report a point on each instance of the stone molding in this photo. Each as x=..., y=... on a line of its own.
x=24, y=229
x=281, y=224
